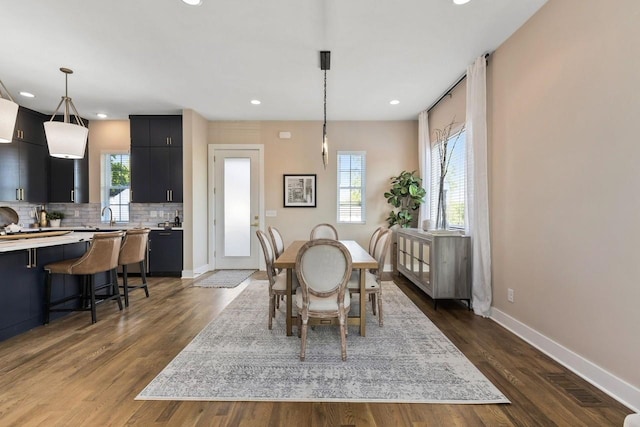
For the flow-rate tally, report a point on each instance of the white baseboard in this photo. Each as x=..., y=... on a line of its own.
x=615, y=387
x=191, y=274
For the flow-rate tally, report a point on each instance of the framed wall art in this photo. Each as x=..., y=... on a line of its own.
x=299, y=191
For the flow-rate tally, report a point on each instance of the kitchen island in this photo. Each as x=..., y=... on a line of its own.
x=22, y=277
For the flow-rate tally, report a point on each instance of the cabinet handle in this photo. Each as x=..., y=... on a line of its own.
x=171, y=195
x=130, y=195
x=35, y=258
x=168, y=200
x=22, y=194
x=168, y=143
x=17, y=194
x=73, y=195
x=29, y=263
x=164, y=234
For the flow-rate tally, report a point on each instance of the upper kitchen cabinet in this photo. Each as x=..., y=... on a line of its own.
x=24, y=162
x=69, y=178
x=156, y=159
x=156, y=131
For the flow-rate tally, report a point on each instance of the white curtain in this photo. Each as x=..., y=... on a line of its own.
x=424, y=158
x=477, y=197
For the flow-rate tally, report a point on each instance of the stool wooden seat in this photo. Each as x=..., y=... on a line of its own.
x=102, y=256
x=133, y=251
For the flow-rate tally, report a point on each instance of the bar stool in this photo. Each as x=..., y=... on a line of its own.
x=102, y=256
x=133, y=251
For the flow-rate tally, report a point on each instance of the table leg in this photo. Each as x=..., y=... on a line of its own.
x=289, y=302
x=363, y=303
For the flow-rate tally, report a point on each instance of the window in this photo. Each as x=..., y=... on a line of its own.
x=116, y=185
x=351, y=191
x=454, y=181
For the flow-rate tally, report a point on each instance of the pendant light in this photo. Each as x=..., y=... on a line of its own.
x=8, y=115
x=65, y=139
x=325, y=64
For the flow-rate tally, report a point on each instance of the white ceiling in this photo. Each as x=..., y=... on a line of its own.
x=160, y=56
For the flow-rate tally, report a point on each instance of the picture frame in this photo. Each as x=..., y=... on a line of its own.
x=299, y=191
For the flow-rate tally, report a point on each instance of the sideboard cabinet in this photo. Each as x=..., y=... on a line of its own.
x=439, y=264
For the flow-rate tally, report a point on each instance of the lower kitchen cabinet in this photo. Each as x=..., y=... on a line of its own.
x=165, y=253
x=23, y=300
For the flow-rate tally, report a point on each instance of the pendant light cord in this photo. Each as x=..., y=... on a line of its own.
x=325, y=97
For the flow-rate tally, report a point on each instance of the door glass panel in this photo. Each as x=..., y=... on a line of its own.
x=237, y=207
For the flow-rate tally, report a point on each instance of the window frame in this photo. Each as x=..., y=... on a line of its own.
x=362, y=187
x=105, y=185
x=435, y=177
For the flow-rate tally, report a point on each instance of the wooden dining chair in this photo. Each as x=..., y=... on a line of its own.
x=374, y=239
x=323, y=267
x=324, y=231
x=277, y=282
x=373, y=278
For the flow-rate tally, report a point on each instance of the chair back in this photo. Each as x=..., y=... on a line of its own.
x=380, y=251
x=277, y=240
x=323, y=268
x=102, y=255
x=134, y=246
x=324, y=231
x=267, y=250
x=374, y=239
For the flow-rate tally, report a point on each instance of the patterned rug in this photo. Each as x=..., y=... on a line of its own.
x=224, y=279
x=236, y=358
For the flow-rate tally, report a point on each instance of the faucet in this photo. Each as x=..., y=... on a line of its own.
x=111, y=221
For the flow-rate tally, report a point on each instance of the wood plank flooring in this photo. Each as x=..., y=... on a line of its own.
x=73, y=373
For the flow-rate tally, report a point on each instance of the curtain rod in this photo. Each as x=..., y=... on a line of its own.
x=453, y=86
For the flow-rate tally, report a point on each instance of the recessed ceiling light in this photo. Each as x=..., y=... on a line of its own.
x=394, y=102
x=255, y=102
x=101, y=115
x=193, y=2
x=456, y=1
x=27, y=94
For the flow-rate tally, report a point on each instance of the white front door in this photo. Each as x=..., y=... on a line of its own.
x=236, y=212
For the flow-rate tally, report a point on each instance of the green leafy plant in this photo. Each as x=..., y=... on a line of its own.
x=407, y=194
x=55, y=215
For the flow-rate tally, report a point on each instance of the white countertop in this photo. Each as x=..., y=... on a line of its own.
x=41, y=242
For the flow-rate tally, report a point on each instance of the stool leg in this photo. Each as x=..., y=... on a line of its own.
x=116, y=287
x=47, y=307
x=144, y=278
x=125, y=286
x=92, y=295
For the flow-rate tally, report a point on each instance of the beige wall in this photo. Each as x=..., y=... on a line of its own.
x=390, y=146
x=195, y=192
x=109, y=136
x=563, y=97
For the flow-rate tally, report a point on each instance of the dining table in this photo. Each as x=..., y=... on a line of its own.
x=360, y=259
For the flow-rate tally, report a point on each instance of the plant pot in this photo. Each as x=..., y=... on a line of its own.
x=54, y=222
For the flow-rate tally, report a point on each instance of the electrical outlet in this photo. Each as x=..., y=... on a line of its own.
x=510, y=295
x=76, y=213
x=153, y=214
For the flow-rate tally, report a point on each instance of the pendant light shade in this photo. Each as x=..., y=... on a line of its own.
x=8, y=115
x=65, y=139
x=325, y=64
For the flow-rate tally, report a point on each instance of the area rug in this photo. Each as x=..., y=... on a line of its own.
x=224, y=279
x=236, y=358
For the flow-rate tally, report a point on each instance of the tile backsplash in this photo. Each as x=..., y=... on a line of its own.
x=88, y=214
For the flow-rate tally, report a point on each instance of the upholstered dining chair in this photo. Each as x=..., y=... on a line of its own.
x=323, y=267
x=133, y=251
x=373, y=279
x=324, y=231
x=102, y=256
x=278, y=243
x=277, y=282
x=374, y=239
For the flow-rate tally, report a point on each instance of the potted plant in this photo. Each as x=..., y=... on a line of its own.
x=54, y=218
x=407, y=194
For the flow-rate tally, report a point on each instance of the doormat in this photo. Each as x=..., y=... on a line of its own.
x=224, y=279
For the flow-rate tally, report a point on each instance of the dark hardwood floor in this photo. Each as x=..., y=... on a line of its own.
x=73, y=373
